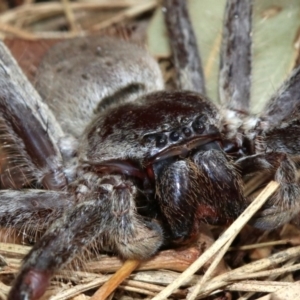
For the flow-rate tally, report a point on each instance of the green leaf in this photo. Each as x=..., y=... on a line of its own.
x=275, y=30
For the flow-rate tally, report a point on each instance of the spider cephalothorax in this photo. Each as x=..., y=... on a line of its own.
x=119, y=165
x=159, y=141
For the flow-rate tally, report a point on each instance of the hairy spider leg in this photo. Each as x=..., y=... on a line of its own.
x=29, y=133
x=111, y=201
x=235, y=57
x=284, y=105
x=185, y=51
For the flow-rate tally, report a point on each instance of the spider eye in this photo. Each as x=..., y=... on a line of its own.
x=149, y=138
x=174, y=136
x=187, y=131
x=198, y=124
x=161, y=140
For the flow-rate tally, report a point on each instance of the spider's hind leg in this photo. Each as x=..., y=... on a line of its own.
x=29, y=133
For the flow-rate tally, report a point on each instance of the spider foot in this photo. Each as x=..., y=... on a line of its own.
x=284, y=205
x=32, y=282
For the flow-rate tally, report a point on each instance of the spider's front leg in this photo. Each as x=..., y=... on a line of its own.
x=234, y=90
x=32, y=209
x=105, y=213
x=277, y=155
x=274, y=146
x=235, y=61
x=185, y=52
x=284, y=105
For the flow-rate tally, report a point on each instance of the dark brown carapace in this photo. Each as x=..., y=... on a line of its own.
x=169, y=144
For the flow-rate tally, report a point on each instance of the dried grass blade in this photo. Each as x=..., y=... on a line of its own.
x=109, y=286
x=224, y=238
x=262, y=264
x=292, y=291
